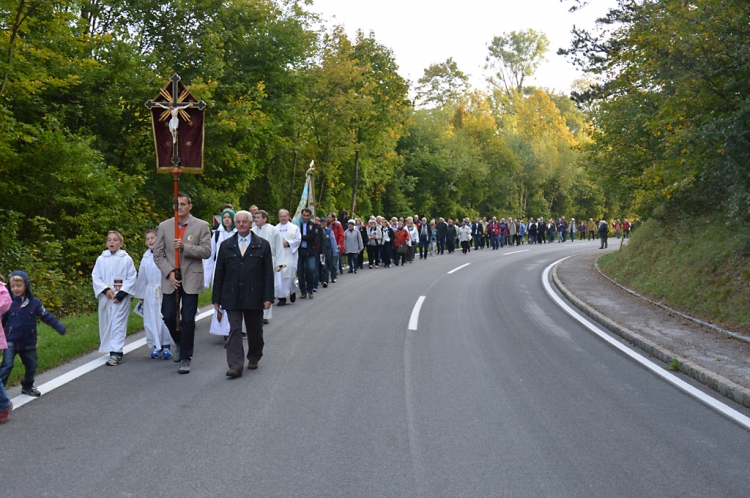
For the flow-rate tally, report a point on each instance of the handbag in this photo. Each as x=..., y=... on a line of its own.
x=402, y=248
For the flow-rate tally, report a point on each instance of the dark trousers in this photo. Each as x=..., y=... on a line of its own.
x=306, y=270
x=465, y=246
x=385, y=253
x=372, y=255
x=326, y=270
x=186, y=336
x=477, y=242
x=604, y=242
x=29, y=360
x=441, y=244
x=424, y=248
x=592, y=235
x=254, y=325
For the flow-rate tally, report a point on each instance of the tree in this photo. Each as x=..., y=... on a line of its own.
x=514, y=56
x=442, y=84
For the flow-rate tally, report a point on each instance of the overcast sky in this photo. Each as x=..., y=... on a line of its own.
x=424, y=32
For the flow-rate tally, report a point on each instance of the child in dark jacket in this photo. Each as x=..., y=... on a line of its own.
x=19, y=323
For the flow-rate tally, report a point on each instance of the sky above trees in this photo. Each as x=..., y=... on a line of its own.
x=425, y=32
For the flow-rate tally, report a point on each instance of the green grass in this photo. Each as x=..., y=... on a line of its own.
x=82, y=338
x=700, y=267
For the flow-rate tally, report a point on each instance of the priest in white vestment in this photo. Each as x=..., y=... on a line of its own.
x=271, y=234
x=291, y=238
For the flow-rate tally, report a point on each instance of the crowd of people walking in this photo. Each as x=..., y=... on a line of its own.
x=250, y=265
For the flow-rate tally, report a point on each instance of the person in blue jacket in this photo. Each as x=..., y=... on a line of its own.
x=19, y=323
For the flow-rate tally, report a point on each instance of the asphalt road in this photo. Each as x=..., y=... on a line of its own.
x=497, y=393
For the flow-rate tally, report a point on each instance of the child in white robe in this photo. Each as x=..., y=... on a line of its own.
x=148, y=290
x=114, y=280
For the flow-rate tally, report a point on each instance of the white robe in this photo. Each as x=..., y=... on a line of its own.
x=148, y=288
x=272, y=235
x=210, y=262
x=218, y=326
x=113, y=318
x=284, y=280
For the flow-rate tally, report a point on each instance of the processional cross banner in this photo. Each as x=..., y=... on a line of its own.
x=177, y=123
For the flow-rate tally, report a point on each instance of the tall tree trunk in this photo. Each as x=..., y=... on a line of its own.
x=356, y=180
x=291, y=189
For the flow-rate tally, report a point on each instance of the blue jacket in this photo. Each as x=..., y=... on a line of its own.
x=19, y=321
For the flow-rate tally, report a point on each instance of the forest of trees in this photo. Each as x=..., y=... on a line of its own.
x=661, y=119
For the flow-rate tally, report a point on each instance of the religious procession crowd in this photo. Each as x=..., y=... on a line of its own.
x=249, y=264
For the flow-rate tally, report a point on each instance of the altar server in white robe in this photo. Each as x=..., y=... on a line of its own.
x=148, y=290
x=114, y=280
x=291, y=238
x=222, y=233
x=271, y=234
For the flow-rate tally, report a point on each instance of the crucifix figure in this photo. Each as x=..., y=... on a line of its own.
x=175, y=104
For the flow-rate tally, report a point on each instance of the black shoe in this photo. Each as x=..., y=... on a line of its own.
x=303, y=295
x=333, y=280
x=355, y=271
x=293, y=297
x=371, y=267
x=350, y=271
x=265, y=321
x=325, y=284
x=282, y=301
x=32, y=391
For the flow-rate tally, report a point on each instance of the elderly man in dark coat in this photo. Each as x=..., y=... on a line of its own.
x=243, y=288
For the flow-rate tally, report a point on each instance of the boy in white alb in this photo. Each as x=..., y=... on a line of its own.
x=148, y=290
x=114, y=280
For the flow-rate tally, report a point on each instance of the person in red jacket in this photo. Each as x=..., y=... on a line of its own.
x=338, y=234
x=402, y=237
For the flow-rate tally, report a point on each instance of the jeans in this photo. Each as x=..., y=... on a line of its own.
x=352, y=259
x=306, y=270
x=551, y=237
x=335, y=262
x=4, y=400
x=30, y=363
x=477, y=242
x=572, y=236
x=423, y=248
x=441, y=244
x=186, y=336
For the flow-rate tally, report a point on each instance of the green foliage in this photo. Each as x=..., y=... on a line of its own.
x=671, y=103
x=76, y=145
x=514, y=56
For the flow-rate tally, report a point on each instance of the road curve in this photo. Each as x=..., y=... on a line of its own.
x=494, y=392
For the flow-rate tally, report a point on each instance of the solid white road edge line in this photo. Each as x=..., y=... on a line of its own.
x=515, y=252
x=22, y=399
x=454, y=270
x=717, y=405
x=414, y=319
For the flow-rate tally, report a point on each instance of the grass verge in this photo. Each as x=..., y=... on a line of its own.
x=82, y=338
x=700, y=267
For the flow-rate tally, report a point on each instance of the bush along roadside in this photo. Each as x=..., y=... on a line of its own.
x=700, y=267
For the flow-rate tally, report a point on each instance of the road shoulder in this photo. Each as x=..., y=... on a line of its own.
x=719, y=362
